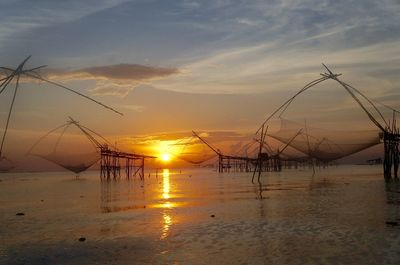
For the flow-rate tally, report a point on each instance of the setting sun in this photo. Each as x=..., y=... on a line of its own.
x=165, y=157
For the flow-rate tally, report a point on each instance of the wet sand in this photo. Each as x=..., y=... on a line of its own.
x=338, y=216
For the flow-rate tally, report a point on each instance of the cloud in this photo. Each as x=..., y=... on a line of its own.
x=184, y=143
x=190, y=4
x=177, y=137
x=280, y=45
x=247, y=22
x=127, y=72
x=117, y=79
x=135, y=108
x=275, y=66
x=17, y=17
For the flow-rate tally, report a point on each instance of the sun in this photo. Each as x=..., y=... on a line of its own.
x=166, y=157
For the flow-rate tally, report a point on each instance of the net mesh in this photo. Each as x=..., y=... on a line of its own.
x=76, y=163
x=68, y=147
x=324, y=145
x=193, y=151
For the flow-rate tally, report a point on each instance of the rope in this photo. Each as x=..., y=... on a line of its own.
x=286, y=104
x=9, y=115
x=44, y=136
x=73, y=91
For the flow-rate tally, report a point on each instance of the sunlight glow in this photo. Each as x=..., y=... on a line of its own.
x=166, y=157
x=164, y=150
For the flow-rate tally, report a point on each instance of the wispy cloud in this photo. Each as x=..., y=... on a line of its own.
x=135, y=108
x=280, y=45
x=248, y=22
x=17, y=17
x=184, y=144
x=190, y=4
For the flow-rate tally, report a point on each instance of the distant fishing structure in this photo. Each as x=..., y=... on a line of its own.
x=323, y=148
x=112, y=160
x=319, y=147
x=228, y=163
x=266, y=158
x=264, y=162
x=14, y=75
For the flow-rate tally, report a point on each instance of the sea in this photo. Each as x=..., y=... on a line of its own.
x=339, y=215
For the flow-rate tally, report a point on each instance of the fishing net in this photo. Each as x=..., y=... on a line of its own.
x=193, y=151
x=68, y=146
x=324, y=145
x=73, y=162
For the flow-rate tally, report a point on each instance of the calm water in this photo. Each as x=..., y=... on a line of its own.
x=337, y=216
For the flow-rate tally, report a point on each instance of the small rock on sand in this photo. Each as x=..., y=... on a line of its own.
x=19, y=214
x=81, y=239
x=392, y=223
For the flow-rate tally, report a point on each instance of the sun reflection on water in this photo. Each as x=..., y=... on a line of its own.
x=166, y=186
x=167, y=222
x=167, y=205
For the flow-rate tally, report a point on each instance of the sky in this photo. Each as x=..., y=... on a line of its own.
x=216, y=66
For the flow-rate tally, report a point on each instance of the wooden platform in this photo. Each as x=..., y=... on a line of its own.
x=111, y=163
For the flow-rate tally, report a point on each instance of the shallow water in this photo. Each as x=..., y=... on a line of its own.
x=198, y=216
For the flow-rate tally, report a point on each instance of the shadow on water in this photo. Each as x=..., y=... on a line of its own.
x=392, y=188
x=117, y=196
x=310, y=183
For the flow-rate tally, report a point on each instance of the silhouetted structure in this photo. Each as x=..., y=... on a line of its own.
x=263, y=162
x=229, y=163
x=375, y=161
x=31, y=73
x=326, y=150
x=112, y=160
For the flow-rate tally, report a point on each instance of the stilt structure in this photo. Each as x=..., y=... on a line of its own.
x=113, y=162
x=230, y=163
x=389, y=130
x=14, y=75
x=391, y=139
x=264, y=162
x=269, y=162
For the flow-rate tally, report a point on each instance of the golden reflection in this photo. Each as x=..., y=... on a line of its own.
x=167, y=219
x=167, y=222
x=166, y=186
